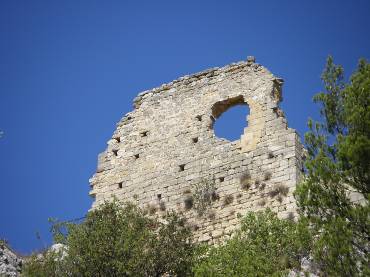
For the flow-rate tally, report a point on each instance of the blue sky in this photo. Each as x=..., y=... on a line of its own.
x=70, y=69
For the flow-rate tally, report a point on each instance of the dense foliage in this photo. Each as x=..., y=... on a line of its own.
x=121, y=241
x=118, y=240
x=264, y=246
x=335, y=193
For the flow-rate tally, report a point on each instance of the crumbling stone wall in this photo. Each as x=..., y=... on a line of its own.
x=165, y=150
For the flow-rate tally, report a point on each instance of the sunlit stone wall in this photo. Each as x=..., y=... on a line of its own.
x=166, y=147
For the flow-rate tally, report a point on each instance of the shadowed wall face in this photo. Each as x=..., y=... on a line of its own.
x=165, y=155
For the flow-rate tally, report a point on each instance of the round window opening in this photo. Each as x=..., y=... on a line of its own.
x=230, y=118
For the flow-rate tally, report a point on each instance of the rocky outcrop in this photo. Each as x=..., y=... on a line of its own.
x=10, y=263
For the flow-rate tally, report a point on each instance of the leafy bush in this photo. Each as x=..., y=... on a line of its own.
x=264, y=246
x=118, y=240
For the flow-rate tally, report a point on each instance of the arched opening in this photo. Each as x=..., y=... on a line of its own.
x=230, y=118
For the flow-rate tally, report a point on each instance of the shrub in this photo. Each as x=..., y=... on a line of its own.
x=228, y=199
x=188, y=202
x=263, y=246
x=118, y=240
x=279, y=190
x=187, y=191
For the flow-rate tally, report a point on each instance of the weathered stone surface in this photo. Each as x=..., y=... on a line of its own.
x=308, y=269
x=166, y=146
x=60, y=249
x=10, y=263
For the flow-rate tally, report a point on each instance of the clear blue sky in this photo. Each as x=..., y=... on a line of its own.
x=70, y=69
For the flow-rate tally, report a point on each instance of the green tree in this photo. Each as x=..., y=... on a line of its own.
x=338, y=168
x=118, y=240
x=263, y=246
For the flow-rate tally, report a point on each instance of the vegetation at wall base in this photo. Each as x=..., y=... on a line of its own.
x=118, y=240
x=263, y=246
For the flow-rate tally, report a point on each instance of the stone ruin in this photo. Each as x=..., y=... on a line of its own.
x=164, y=155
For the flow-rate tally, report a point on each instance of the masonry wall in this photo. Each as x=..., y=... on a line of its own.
x=166, y=147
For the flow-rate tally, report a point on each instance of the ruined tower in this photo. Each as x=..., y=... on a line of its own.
x=165, y=151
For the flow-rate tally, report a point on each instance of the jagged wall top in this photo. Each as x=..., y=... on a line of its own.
x=166, y=146
x=187, y=80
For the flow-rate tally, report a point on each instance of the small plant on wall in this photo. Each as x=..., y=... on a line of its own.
x=262, y=202
x=228, y=199
x=279, y=190
x=245, y=180
x=204, y=193
x=152, y=209
x=267, y=176
x=188, y=202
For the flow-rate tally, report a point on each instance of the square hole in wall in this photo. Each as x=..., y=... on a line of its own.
x=195, y=140
x=181, y=167
x=115, y=152
x=137, y=156
x=221, y=179
x=120, y=185
x=159, y=196
x=144, y=134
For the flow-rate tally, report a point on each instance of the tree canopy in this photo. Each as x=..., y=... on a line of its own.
x=334, y=195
